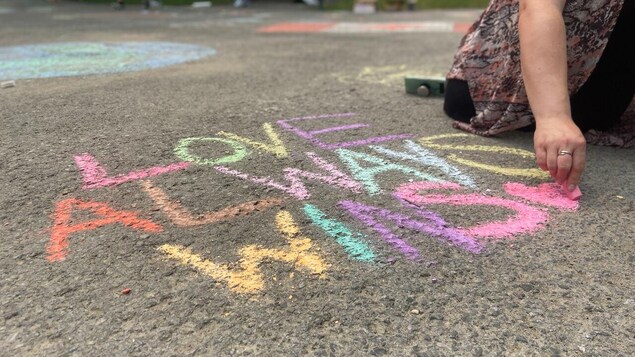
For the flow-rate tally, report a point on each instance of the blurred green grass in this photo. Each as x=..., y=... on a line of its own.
x=335, y=4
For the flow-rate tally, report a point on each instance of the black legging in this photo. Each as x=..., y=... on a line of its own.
x=601, y=100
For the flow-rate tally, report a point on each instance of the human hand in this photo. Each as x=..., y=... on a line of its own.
x=560, y=149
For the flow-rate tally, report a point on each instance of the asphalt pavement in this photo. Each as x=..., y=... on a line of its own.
x=255, y=181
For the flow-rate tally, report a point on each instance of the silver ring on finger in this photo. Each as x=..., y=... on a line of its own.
x=565, y=152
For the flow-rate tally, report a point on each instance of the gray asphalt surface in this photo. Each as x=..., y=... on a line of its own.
x=562, y=286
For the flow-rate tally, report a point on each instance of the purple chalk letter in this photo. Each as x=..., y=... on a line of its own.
x=311, y=135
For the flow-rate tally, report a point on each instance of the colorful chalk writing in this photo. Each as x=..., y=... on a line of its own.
x=63, y=227
x=95, y=176
x=426, y=157
x=276, y=147
x=311, y=135
x=536, y=173
x=182, y=150
x=367, y=174
x=89, y=58
x=526, y=219
x=250, y=279
x=183, y=218
x=433, y=225
x=548, y=194
x=430, y=142
x=297, y=188
x=439, y=180
x=353, y=243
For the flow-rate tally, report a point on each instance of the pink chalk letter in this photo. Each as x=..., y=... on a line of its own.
x=526, y=219
x=297, y=188
x=548, y=194
x=94, y=175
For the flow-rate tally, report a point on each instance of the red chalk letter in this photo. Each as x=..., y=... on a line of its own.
x=57, y=249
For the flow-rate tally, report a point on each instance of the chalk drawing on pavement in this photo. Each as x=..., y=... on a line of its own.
x=63, y=225
x=250, y=279
x=386, y=75
x=182, y=217
x=90, y=58
x=427, y=174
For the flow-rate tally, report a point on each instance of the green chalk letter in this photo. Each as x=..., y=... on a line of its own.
x=182, y=151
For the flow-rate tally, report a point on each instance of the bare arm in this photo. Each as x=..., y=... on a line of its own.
x=544, y=68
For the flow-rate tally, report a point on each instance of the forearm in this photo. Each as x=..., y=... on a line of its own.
x=544, y=59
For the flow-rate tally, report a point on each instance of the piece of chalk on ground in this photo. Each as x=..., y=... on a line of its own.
x=573, y=195
x=7, y=84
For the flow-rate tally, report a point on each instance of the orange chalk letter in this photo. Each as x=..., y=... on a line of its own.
x=184, y=218
x=57, y=249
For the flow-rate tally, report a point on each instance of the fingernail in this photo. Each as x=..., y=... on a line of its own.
x=571, y=188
